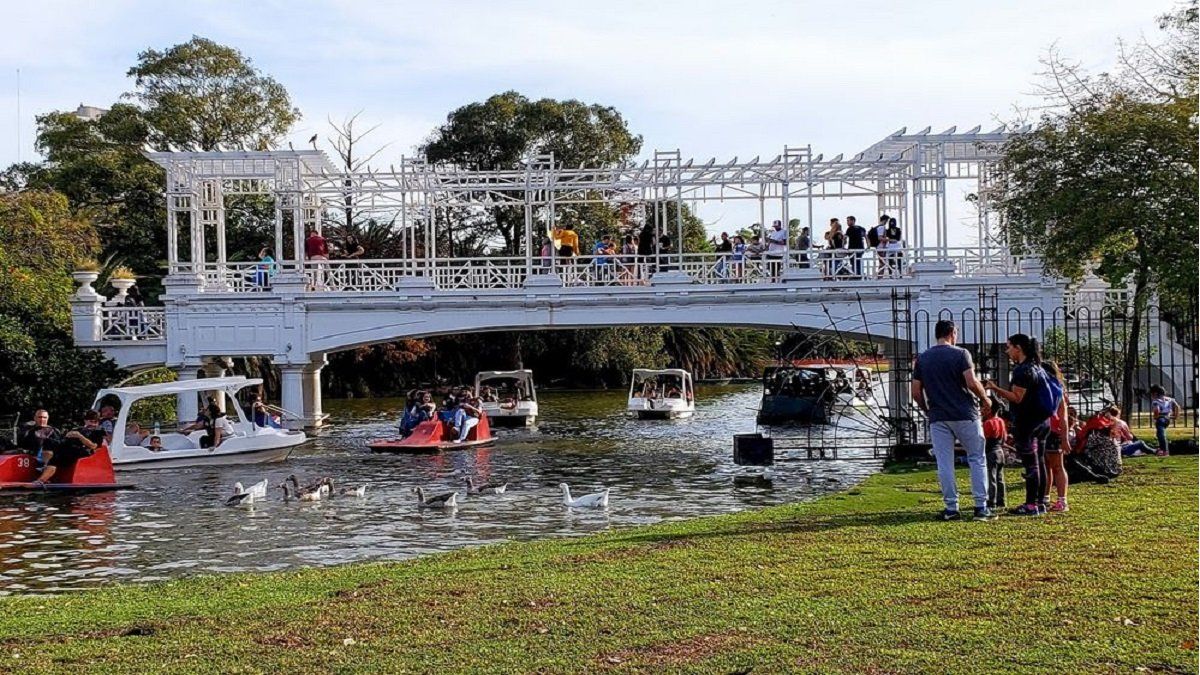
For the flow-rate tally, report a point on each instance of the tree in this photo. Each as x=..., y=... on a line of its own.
x=40, y=242
x=100, y=168
x=205, y=96
x=1108, y=182
x=506, y=129
x=198, y=95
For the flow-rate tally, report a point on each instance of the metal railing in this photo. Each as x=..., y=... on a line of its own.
x=132, y=323
x=497, y=273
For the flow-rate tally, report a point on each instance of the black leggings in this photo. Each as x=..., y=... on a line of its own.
x=1031, y=448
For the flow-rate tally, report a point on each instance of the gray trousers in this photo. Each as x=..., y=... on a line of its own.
x=970, y=434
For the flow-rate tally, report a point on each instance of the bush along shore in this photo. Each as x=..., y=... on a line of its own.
x=862, y=581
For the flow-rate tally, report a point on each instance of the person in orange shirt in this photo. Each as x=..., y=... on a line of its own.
x=568, y=241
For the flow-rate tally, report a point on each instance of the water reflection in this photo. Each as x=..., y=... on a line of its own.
x=176, y=524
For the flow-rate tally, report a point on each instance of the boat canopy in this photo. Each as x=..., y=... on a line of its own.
x=485, y=375
x=650, y=372
x=229, y=385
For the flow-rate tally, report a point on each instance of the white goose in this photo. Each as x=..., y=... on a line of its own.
x=474, y=488
x=360, y=492
x=446, y=500
x=240, y=499
x=259, y=489
x=594, y=500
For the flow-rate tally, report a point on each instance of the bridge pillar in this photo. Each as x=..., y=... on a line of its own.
x=291, y=384
x=311, y=383
x=186, y=408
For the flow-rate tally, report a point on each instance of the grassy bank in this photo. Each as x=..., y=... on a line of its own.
x=863, y=581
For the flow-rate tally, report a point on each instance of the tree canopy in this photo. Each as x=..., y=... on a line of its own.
x=201, y=95
x=1107, y=181
x=508, y=128
x=40, y=242
x=198, y=95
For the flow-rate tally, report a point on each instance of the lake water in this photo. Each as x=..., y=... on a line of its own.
x=175, y=522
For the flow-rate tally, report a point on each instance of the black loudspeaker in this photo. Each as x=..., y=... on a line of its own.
x=753, y=450
x=1183, y=446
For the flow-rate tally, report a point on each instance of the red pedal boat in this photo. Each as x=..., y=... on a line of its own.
x=435, y=436
x=93, y=473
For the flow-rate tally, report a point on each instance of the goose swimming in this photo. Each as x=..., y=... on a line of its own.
x=474, y=488
x=446, y=500
x=240, y=499
x=360, y=491
x=594, y=500
x=259, y=489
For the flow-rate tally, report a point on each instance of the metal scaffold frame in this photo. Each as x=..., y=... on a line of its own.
x=906, y=173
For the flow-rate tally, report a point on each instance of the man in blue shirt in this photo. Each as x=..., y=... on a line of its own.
x=945, y=387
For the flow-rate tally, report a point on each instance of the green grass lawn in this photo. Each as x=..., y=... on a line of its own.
x=863, y=581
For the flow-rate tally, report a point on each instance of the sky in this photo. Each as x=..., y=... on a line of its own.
x=711, y=79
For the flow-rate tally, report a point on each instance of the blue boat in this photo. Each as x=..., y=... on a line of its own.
x=800, y=394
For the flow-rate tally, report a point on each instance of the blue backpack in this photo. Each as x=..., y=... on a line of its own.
x=1047, y=394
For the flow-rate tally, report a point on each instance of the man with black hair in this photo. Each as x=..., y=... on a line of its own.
x=856, y=242
x=945, y=387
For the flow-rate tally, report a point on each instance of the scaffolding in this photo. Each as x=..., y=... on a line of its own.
x=906, y=173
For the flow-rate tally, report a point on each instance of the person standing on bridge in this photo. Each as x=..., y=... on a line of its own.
x=315, y=248
x=777, y=245
x=856, y=242
x=945, y=387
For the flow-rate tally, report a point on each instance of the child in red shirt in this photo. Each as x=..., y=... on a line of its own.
x=994, y=433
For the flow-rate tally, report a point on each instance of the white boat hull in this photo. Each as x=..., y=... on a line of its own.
x=234, y=451
x=523, y=415
x=661, y=409
x=664, y=414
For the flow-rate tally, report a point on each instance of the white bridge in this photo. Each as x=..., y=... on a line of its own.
x=295, y=311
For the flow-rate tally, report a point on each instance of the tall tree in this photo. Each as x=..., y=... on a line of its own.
x=201, y=95
x=40, y=242
x=198, y=95
x=508, y=128
x=1108, y=179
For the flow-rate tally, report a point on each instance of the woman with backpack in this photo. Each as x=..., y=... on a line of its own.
x=1034, y=402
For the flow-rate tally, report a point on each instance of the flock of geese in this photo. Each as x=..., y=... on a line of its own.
x=322, y=488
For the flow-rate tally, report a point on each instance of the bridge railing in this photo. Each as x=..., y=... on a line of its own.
x=489, y=273
x=132, y=323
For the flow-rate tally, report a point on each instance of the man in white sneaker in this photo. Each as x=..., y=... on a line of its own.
x=945, y=387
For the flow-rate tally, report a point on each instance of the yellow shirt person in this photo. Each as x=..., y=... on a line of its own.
x=566, y=238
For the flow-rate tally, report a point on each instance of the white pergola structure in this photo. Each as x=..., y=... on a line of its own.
x=906, y=173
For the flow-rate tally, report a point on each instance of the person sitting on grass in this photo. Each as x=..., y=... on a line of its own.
x=1097, y=445
x=995, y=433
x=74, y=446
x=1130, y=446
x=1165, y=411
